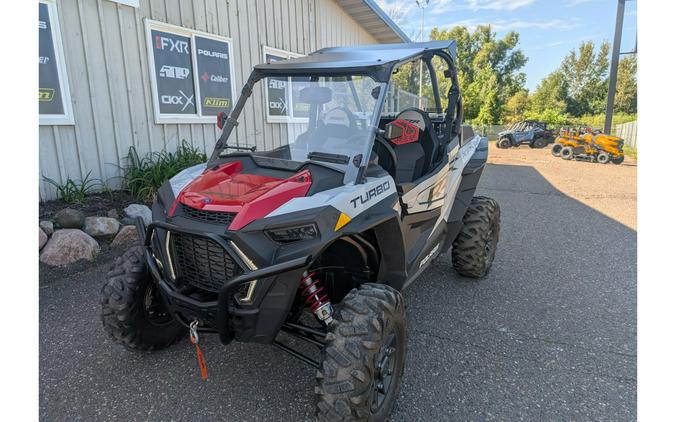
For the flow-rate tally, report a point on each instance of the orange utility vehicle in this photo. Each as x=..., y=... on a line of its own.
x=587, y=144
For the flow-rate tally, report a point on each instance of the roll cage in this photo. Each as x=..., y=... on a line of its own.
x=376, y=61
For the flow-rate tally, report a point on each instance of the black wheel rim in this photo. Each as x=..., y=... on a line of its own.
x=153, y=306
x=385, y=371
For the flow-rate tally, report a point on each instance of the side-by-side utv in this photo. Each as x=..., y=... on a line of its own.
x=317, y=229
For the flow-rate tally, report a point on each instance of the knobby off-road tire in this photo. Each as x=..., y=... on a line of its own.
x=555, y=149
x=567, y=153
x=474, y=247
x=365, y=348
x=132, y=311
x=539, y=143
x=504, y=143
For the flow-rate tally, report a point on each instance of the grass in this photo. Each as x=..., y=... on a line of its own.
x=74, y=192
x=144, y=176
x=630, y=151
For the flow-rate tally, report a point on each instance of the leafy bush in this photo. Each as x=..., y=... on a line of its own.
x=74, y=192
x=143, y=176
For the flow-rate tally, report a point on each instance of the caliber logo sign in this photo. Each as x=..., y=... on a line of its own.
x=215, y=81
x=50, y=97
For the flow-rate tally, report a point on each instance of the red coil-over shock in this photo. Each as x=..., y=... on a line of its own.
x=315, y=299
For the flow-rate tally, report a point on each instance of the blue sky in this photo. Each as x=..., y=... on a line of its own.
x=548, y=29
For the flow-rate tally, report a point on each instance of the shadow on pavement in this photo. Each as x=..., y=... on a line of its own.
x=549, y=334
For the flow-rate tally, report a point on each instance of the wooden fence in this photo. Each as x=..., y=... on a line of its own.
x=627, y=131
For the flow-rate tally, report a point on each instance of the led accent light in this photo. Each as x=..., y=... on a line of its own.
x=293, y=234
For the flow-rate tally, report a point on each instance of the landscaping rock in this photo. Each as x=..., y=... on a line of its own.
x=101, y=226
x=47, y=227
x=43, y=238
x=139, y=210
x=128, y=221
x=67, y=246
x=69, y=218
x=127, y=235
x=113, y=214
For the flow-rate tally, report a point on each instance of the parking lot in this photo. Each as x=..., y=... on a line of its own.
x=550, y=334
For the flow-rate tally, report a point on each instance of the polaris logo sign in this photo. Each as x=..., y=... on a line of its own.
x=372, y=193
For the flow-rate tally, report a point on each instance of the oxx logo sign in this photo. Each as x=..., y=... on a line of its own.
x=165, y=43
x=183, y=100
x=372, y=193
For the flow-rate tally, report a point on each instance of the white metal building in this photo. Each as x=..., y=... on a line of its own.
x=151, y=73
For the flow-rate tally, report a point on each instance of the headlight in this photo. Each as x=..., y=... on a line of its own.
x=293, y=234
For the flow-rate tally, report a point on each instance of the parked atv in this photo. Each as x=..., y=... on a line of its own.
x=530, y=132
x=317, y=233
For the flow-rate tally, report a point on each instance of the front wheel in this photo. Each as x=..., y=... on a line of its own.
x=555, y=149
x=504, y=143
x=132, y=310
x=364, y=357
x=475, y=246
x=566, y=153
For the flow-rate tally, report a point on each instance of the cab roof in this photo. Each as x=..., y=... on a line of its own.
x=372, y=59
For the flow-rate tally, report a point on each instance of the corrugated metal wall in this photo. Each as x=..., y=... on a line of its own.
x=107, y=63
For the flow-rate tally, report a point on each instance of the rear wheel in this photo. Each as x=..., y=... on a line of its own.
x=474, y=247
x=566, y=153
x=539, y=143
x=555, y=149
x=364, y=357
x=603, y=158
x=618, y=159
x=504, y=142
x=132, y=311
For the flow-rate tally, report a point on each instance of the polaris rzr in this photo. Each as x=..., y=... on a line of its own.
x=530, y=132
x=315, y=228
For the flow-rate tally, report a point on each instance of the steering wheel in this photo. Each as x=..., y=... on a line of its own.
x=392, y=154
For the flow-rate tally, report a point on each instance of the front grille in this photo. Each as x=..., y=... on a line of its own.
x=201, y=262
x=218, y=217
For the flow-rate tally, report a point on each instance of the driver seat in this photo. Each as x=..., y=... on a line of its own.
x=427, y=136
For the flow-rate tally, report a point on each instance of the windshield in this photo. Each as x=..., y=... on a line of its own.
x=329, y=120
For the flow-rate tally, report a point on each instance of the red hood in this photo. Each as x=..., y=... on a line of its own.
x=251, y=196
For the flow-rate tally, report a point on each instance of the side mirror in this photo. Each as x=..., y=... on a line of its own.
x=221, y=119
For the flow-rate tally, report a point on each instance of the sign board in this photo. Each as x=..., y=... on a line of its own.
x=54, y=95
x=280, y=92
x=191, y=74
x=215, y=79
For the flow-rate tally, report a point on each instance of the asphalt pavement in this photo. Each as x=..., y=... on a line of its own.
x=550, y=334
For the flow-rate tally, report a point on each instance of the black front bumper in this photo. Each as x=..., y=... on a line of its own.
x=259, y=322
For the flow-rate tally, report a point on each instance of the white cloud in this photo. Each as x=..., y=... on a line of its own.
x=572, y=3
x=513, y=24
x=442, y=6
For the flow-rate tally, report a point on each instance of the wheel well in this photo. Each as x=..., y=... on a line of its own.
x=347, y=263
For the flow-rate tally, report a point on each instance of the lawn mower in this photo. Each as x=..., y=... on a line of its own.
x=530, y=132
x=315, y=236
x=589, y=145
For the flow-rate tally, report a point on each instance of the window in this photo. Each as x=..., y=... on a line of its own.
x=280, y=92
x=54, y=93
x=191, y=73
x=406, y=91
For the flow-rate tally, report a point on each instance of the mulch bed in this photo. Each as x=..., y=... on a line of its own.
x=96, y=204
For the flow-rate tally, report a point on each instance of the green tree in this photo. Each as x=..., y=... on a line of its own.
x=516, y=107
x=585, y=76
x=626, y=86
x=488, y=70
x=551, y=94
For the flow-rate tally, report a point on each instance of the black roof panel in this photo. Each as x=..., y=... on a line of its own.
x=359, y=58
